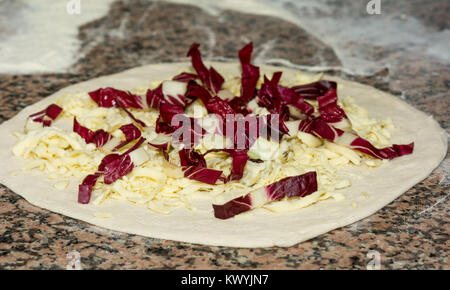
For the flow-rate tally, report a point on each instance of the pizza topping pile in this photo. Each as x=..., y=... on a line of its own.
x=206, y=133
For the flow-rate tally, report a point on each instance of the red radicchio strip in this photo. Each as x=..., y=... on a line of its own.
x=314, y=90
x=131, y=133
x=238, y=163
x=295, y=186
x=197, y=63
x=110, y=97
x=185, y=77
x=322, y=129
x=290, y=97
x=163, y=127
x=269, y=97
x=391, y=152
x=202, y=174
x=239, y=160
x=51, y=112
x=163, y=148
x=141, y=123
x=331, y=113
x=329, y=110
x=216, y=80
x=194, y=167
x=155, y=97
x=239, y=106
x=250, y=74
x=99, y=137
x=113, y=167
x=276, y=98
x=213, y=105
x=168, y=111
x=211, y=78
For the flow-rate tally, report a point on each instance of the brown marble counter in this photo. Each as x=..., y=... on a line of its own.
x=410, y=233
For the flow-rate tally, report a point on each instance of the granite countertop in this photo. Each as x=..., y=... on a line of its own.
x=410, y=233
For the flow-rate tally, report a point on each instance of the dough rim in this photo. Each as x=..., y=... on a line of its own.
x=262, y=228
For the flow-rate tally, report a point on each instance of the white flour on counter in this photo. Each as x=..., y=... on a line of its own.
x=41, y=36
x=348, y=29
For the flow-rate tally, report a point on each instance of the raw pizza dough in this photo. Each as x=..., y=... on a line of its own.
x=261, y=228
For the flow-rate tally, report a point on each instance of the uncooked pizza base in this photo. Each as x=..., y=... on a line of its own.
x=261, y=228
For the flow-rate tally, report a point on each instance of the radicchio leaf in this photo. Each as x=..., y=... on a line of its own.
x=295, y=186
x=113, y=167
x=110, y=97
x=185, y=77
x=290, y=97
x=141, y=123
x=47, y=115
x=155, y=97
x=168, y=111
x=210, y=78
x=314, y=90
x=85, y=188
x=194, y=167
x=324, y=130
x=329, y=110
x=131, y=133
x=216, y=80
x=239, y=106
x=99, y=137
x=191, y=158
x=202, y=174
x=391, y=152
x=239, y=160
x=331, y=113
x=250, y=74
x=120, y=166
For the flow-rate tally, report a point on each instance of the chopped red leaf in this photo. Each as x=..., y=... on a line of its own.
x=168, y=111
x=210, y=78
x=85, y=188
x=99, y=137
x=329, y=110
x=324, y=130
x=250, y=74
x=185, y=77
x=121, y=166
x=194, y=167
x=47, y=115
x=391, y=152
x=290, y=97
x=202, y=174
x=155, y=97
x=131, y=132
x=315, y=90
x=141, y=123
x=295, y=186
x=216, y=80
x=113, y=167
x=110, y=97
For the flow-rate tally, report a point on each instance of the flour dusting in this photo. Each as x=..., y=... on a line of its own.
x=41, y=36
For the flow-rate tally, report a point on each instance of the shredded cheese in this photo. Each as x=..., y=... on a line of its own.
x=160, y=186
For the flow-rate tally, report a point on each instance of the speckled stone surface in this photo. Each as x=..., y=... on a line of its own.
x=410, y=233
